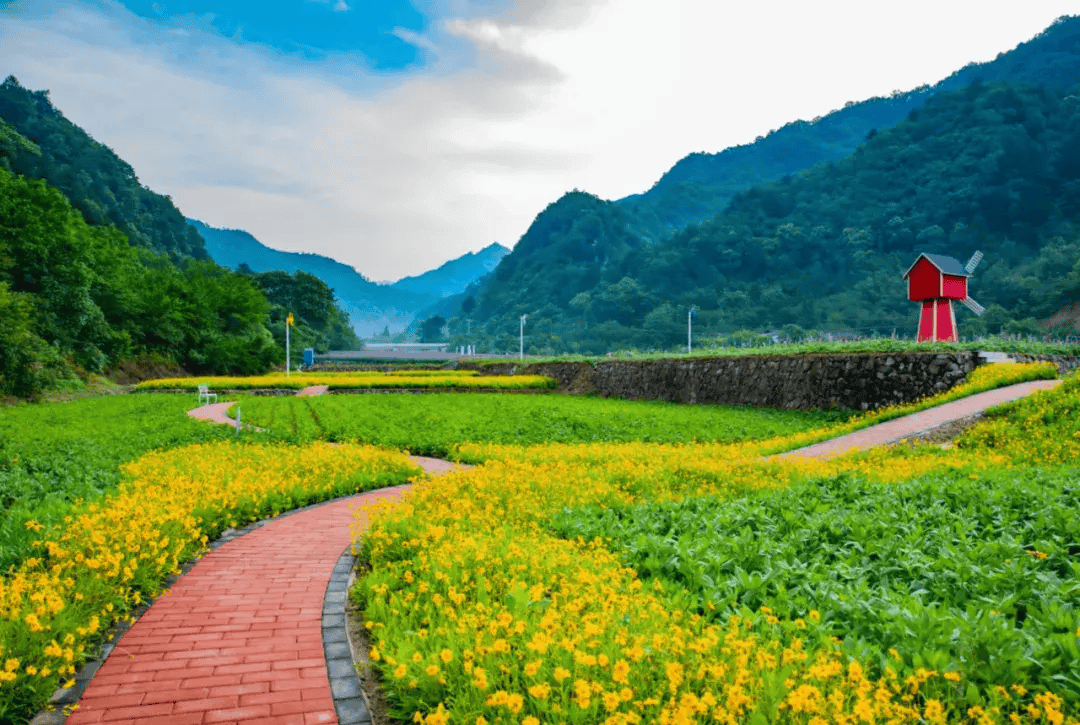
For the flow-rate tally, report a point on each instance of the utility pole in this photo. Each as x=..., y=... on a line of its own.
x=288, y=324
x=689, y=328
x=521, y=339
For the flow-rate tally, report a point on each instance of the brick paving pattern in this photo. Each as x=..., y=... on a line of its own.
x=239, y=637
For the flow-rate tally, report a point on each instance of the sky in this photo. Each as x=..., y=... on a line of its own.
x=395, y=135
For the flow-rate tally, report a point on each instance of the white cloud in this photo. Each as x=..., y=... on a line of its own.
x=340, y=6
x=517, y=103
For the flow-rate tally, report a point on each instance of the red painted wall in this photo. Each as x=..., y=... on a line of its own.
x=946, y=328
x=924, y=282
x=926, y=321
x=955, y=288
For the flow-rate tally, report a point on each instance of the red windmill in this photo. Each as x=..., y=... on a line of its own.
x=936, y=280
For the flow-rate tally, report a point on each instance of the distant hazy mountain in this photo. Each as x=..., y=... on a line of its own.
x=372, y=307
x=453, y=277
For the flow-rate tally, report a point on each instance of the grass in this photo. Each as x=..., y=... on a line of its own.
x=883, y=345
x=55, y=454
x=435, y=424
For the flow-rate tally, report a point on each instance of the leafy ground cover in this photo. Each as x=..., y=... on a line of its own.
x=972, y=576
x=764, y=346
x=52, y=455
x=456, y=379
x=434, y=424
x=112, y=554
x=485, y=607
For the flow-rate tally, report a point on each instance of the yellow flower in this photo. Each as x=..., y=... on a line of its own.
x=446, y=655
x=399, y=672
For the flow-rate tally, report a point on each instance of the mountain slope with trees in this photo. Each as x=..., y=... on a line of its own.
x=76, y=296
x=701, y=184
x=453, y=277
x=992, y=167
x=97, y=182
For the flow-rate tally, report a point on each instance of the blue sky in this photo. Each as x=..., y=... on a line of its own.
x=395, y=136
x=302, y=28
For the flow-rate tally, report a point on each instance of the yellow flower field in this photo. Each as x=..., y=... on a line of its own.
x=480, y=614
x=418, y=379
x=115, y=553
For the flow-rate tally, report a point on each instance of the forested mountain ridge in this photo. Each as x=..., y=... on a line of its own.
x=991, y=167
x=96, y=181
x=572, y=246
x=701, y=184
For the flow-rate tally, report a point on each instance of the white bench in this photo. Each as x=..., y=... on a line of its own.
x=204, y=392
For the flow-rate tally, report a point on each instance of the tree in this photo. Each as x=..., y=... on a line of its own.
x=431, y=329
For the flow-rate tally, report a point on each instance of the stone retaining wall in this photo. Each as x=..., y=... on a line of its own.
x=800, y=382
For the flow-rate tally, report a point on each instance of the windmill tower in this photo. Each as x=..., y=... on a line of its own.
x=935, y=281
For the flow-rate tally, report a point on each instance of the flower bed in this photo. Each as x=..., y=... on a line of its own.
x=485, y=605
x=112, y=554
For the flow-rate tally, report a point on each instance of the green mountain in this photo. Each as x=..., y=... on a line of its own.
x=993, y=167
x=701, y=184
x=825, y=242
x=97, y=182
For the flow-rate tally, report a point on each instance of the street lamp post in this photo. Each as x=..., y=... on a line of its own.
x=521, y=339
x=288, y=324
x=689, y=329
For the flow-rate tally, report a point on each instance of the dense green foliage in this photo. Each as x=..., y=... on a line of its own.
x=433, y=424
x=991, y=167
x=94, y=300
x=51, y=455
x=95, y=180
x=975, y=576
x=318, y=322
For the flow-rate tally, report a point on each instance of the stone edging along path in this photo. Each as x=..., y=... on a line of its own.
x=256, y=629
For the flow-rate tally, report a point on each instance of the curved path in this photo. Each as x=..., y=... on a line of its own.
x=239, y=637
x=242, y=637
x=909, y=425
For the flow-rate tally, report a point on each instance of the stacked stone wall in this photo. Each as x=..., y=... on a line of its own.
x=799, y=382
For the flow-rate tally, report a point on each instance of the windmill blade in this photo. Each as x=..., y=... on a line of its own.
x=973, y=306
x=973, y=262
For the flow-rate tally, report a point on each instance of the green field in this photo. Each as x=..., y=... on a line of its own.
x=54, y=454
x=972, y=576
x=433, y=424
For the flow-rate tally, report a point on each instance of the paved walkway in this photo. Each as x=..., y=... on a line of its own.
x=240, y=638
x=909, y=425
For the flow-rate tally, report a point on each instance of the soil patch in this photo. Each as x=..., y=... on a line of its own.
x=130, y=372
x=370, y=684
x=947, y=432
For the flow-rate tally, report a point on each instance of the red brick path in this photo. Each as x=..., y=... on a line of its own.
x=238, y=638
